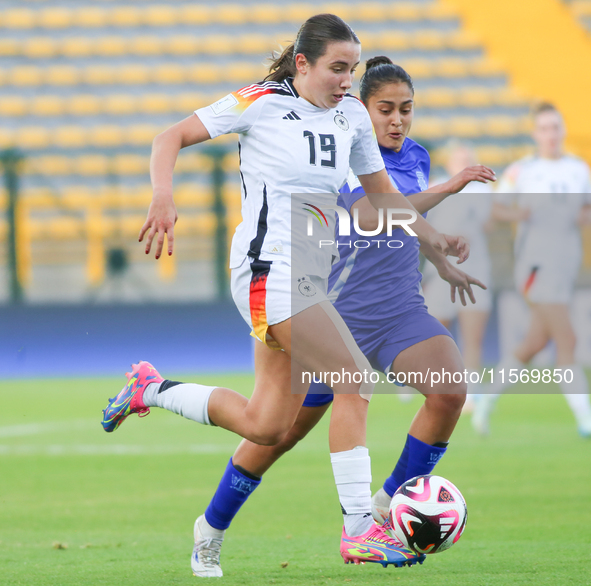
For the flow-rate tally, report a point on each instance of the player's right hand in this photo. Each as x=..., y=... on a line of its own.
x=476, y=173
x=162, y=217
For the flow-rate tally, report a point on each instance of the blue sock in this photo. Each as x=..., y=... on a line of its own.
x=417, y=459
x=233, y=490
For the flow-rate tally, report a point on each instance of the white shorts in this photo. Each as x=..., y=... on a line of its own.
x=550, y=281
x=267, y=293
x=437, y=292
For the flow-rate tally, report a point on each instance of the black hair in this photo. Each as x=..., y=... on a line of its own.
x=544, y=107
x=378, y=72
x=312, y=39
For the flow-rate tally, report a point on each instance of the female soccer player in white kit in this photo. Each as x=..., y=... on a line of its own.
x=299, y=131
x=551, y=192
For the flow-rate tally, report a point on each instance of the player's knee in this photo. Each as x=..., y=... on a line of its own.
x=449, y=402
x=269, y=437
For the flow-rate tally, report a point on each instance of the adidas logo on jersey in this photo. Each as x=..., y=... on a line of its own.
x=291, y=116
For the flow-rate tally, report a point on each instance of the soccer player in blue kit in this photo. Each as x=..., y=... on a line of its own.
x=376, y=289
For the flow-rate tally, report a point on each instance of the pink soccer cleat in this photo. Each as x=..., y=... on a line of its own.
x=129, y=400
x=378, y=547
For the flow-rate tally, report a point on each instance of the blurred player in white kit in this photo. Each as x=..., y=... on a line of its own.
x=469, y=213
x=548, y=195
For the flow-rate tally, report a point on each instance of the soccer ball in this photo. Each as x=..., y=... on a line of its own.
x=428, y=514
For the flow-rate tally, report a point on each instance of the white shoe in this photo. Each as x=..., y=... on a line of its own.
x=205, y=561
x=380, y=506
x=481, y=414
x=585, y=428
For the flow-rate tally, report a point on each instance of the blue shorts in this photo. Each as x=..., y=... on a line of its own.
x=381, y=345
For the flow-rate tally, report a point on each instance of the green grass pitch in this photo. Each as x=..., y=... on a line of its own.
x=82, y=507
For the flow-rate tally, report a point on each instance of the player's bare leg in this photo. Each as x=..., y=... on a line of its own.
x=436, y=419
x=472, y=327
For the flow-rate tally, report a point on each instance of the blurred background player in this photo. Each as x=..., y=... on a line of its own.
x=468, y=212
x=547, y=194
x=395, y=332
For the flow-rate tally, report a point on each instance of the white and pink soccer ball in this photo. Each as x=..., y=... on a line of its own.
x=428, y=514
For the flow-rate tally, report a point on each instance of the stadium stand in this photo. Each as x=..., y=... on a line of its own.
x=86, y=86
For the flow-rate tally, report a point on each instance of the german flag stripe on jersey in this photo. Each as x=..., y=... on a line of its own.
x=258, y=298
x=249, y=94
x=530, y=281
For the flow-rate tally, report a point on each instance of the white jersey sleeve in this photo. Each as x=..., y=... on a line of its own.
x=365, y=157
x=236, y=112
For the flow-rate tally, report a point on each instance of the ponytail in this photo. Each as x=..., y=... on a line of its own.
x=282, y=66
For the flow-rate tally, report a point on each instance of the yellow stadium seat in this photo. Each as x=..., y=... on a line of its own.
x=26, y=75
x=266, y=13
x=438, y=11
x=509, y=97
x=132, y=75
x=120, y=104
x=218, y=45
x=9, y=47
x=47, y=106
x=19, y=18
x=6, y=137
x=502, y=126
x=160, y=15
x=189, y=102
x=109, y=135
x=437, y=98
x=131, y=165
x=196, y=14
x=205, y=74
x=155, y=103
x=146, y=45
x=232, y=14
x=389, y=41
x=127, y=16
x=169, y=74
x=182, y=45
x=142, y=134
x=404, y=11
x=92, y=165
x=429, y=128
x=35, y=47
x=70, y=136
x=419, y=68
x=253, y=44
x=51, y=165
x=62, y=75
x=428, y=40
x=476, y=97
x=492, y=156
x=55, y=17
x=77, y=46
x=345, y=11
x=13, y=106
x=32, y=137
x=84, y=105
x=111, y=46
x=465, y=127
x=193, y=195
x=99, y=75
x=463, y=40
x=90, y=17
x=370, y=11
x=486, y=68
x=243, y=73
x=580, y=8
x=451, y=67
x=299, y=13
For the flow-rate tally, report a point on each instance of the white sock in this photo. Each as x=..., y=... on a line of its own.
x=500, y=383
x=207, y=531
x=576, y=393
x=187, y=399
x=352, y=474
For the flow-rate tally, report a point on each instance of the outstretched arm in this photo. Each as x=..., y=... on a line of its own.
x=162, y=214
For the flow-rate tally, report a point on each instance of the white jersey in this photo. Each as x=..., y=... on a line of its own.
x=293, y=156
x=554, y=191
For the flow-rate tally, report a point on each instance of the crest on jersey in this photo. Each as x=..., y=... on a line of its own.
x=306, y=288
x=341, y=121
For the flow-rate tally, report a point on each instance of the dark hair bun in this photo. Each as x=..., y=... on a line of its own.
x=375, y=61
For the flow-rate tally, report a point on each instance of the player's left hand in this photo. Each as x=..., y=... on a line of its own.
x=457, y=246
x=460, y=281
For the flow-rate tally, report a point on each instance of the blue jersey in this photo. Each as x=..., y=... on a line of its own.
x=377, y=277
